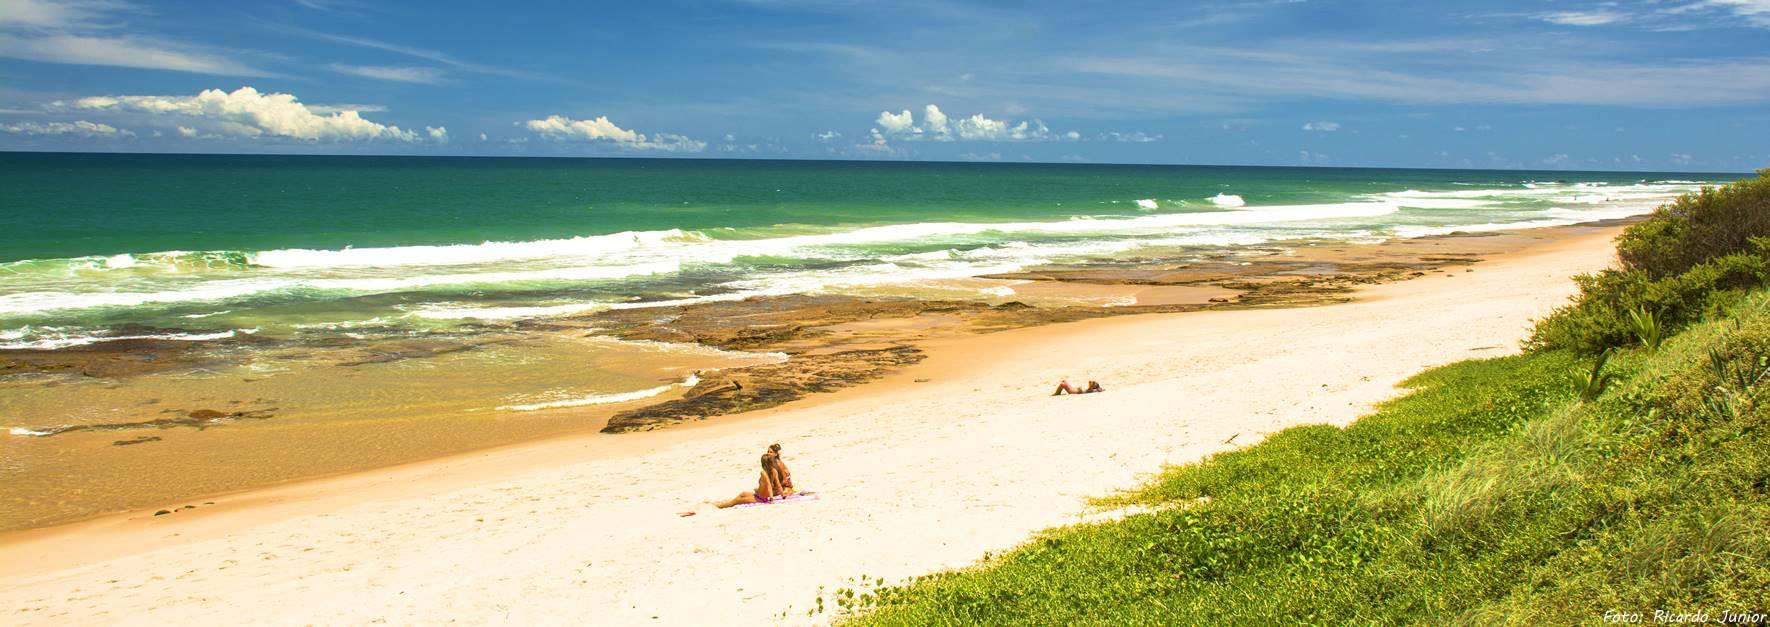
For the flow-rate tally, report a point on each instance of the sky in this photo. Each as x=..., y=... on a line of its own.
x=1651, y=85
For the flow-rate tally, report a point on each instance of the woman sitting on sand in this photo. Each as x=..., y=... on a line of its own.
x=1064, y=386
x=782, y=476
x=768, y=488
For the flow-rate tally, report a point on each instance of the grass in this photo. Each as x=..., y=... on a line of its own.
x=1490, y=494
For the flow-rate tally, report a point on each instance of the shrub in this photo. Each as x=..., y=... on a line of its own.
x=1695, y=228
x=1602, y=315
x=1686, y=259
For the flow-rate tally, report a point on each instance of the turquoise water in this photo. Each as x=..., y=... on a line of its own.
x=198, y=247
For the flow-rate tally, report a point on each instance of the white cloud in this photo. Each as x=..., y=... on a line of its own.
x=896, y=122
x=246, y=112
x=1438, y=72
x=934, y=120
x=81, y=128
x=44, y=14
x=134, y=52
x=1321, y=126
x=1558, y=159
x=425, y=75
x=438, y=134
x=327, y=109
x=1681, y=158
x=482, y=137
x=1756, y=12
x=600, y=129
x=981, y=128
x=81, y=32
x=936, y=125
x=1135, y=137
x=1581, y=18
x=828, y=136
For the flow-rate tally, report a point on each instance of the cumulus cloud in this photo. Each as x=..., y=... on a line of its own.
x=600, y=129
x=246, y=112
x=936, y=125
x=80, y=128
x=934, y=119
x=425, y=75
x=437, y=133
x=828, y=136
x=1321, y=126
x=895, y=123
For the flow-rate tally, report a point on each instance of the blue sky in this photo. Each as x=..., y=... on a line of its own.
x=1648, y=85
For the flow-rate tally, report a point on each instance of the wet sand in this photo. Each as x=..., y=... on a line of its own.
x=583, y=527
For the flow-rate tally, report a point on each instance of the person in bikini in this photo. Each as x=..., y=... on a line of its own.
x=768, y=488
x=782, y=476
x=1064, y=387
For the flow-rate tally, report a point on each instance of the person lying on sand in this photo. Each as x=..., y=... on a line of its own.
x=782, y=475
x=768, y=488
x=1064, y=386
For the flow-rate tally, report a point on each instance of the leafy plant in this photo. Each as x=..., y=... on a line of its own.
x=1596, y=379
x=1647, y=327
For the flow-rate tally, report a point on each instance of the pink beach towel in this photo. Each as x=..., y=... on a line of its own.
x=792, y=498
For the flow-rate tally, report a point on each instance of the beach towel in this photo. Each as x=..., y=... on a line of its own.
x=793, y=498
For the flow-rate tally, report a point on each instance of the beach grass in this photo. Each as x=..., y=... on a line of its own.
x=1488, y=494
x=1544, y=487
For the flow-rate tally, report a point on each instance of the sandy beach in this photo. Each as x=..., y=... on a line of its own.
x=923, y=470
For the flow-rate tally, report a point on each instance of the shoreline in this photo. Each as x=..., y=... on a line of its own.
x=834, y=342
x=980, y=419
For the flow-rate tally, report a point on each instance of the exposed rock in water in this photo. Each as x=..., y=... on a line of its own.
x=141, y=440
x=760, y=387
x=199, y=419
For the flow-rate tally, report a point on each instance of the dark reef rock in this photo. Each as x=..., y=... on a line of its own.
x=760, y=387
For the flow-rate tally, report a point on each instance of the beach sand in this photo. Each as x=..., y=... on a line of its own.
x=926, y=469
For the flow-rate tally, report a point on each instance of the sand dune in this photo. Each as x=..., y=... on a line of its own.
x=914, y=476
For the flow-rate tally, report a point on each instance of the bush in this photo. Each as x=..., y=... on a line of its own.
x=1712, y=223
x=1685, y=260
x=1600, y=317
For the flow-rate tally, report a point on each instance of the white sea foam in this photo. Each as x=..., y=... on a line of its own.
x=1147, y=203
x=591, y=246
x=1227, y=200
x=604, y=399
x=505, y=313
x=218, y=290
x=54, y=341
x=32, y=433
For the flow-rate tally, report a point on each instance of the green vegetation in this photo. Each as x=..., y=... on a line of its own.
x=1545, y=487
x=1682, y=263
x=1647, y=328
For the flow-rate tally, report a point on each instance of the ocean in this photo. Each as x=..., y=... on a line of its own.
x=340, y=313
x=97, y=246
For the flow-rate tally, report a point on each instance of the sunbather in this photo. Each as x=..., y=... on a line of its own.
x=1064, y=387
x=768, y=488
x=782, y=475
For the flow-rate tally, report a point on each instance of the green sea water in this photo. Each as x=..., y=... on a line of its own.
x=96, y=246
